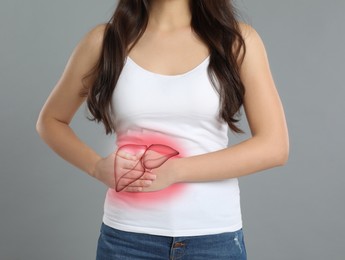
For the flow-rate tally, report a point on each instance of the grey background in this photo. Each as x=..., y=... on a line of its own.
x=51, y=210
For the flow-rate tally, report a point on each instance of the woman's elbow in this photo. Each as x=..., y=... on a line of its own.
x=283, y=158
x=281, y=154
x=44, y=125
x=41, y=124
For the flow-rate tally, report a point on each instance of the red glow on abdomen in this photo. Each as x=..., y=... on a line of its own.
x=164, y=195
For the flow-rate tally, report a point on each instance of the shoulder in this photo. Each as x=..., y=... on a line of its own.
x=248, y=32
x=87, y=52
x=254, y=46
x=95, y=34
x=252, y=39
x=91, y=43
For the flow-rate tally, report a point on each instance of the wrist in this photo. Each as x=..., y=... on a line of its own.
x=93, y=172
x=176, y=170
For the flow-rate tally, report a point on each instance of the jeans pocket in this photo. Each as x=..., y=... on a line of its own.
x=238, y=245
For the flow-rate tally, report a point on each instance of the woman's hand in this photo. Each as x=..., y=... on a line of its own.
x=130, y=174
x=107, y=171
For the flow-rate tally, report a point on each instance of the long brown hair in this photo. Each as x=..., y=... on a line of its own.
x=213, y=21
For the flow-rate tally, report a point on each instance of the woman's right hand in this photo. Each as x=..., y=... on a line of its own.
x=119, y=164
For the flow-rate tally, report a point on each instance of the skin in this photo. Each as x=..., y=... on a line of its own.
x=168, y=46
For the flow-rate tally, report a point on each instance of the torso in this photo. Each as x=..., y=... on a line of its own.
x=171, y=102
x=169, y=53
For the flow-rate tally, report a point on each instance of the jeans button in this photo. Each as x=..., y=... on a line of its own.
x=178, y=244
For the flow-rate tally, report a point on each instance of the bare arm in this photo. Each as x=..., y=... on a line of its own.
x=60, y=107
x=63, y=102
x=269, y=145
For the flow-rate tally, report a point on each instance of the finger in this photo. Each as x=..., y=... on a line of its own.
x=127, y=164
x=138, y=175
x=133, y=180
x=149, y=176
x=125, y=155
x=139, y=183
x=139, y=154
x=138, y=166
x=133, y=189
x=132, y=165
x=131, y=174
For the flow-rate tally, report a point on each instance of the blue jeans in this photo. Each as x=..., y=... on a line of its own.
x=114, y=244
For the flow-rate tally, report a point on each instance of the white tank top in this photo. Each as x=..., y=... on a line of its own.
x=180, y=111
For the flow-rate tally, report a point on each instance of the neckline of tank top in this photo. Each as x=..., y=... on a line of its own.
x=166, y=75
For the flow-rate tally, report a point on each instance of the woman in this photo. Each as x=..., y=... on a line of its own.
x=169, y=77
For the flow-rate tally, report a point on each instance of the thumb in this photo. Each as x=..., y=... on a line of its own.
x=139, y=154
